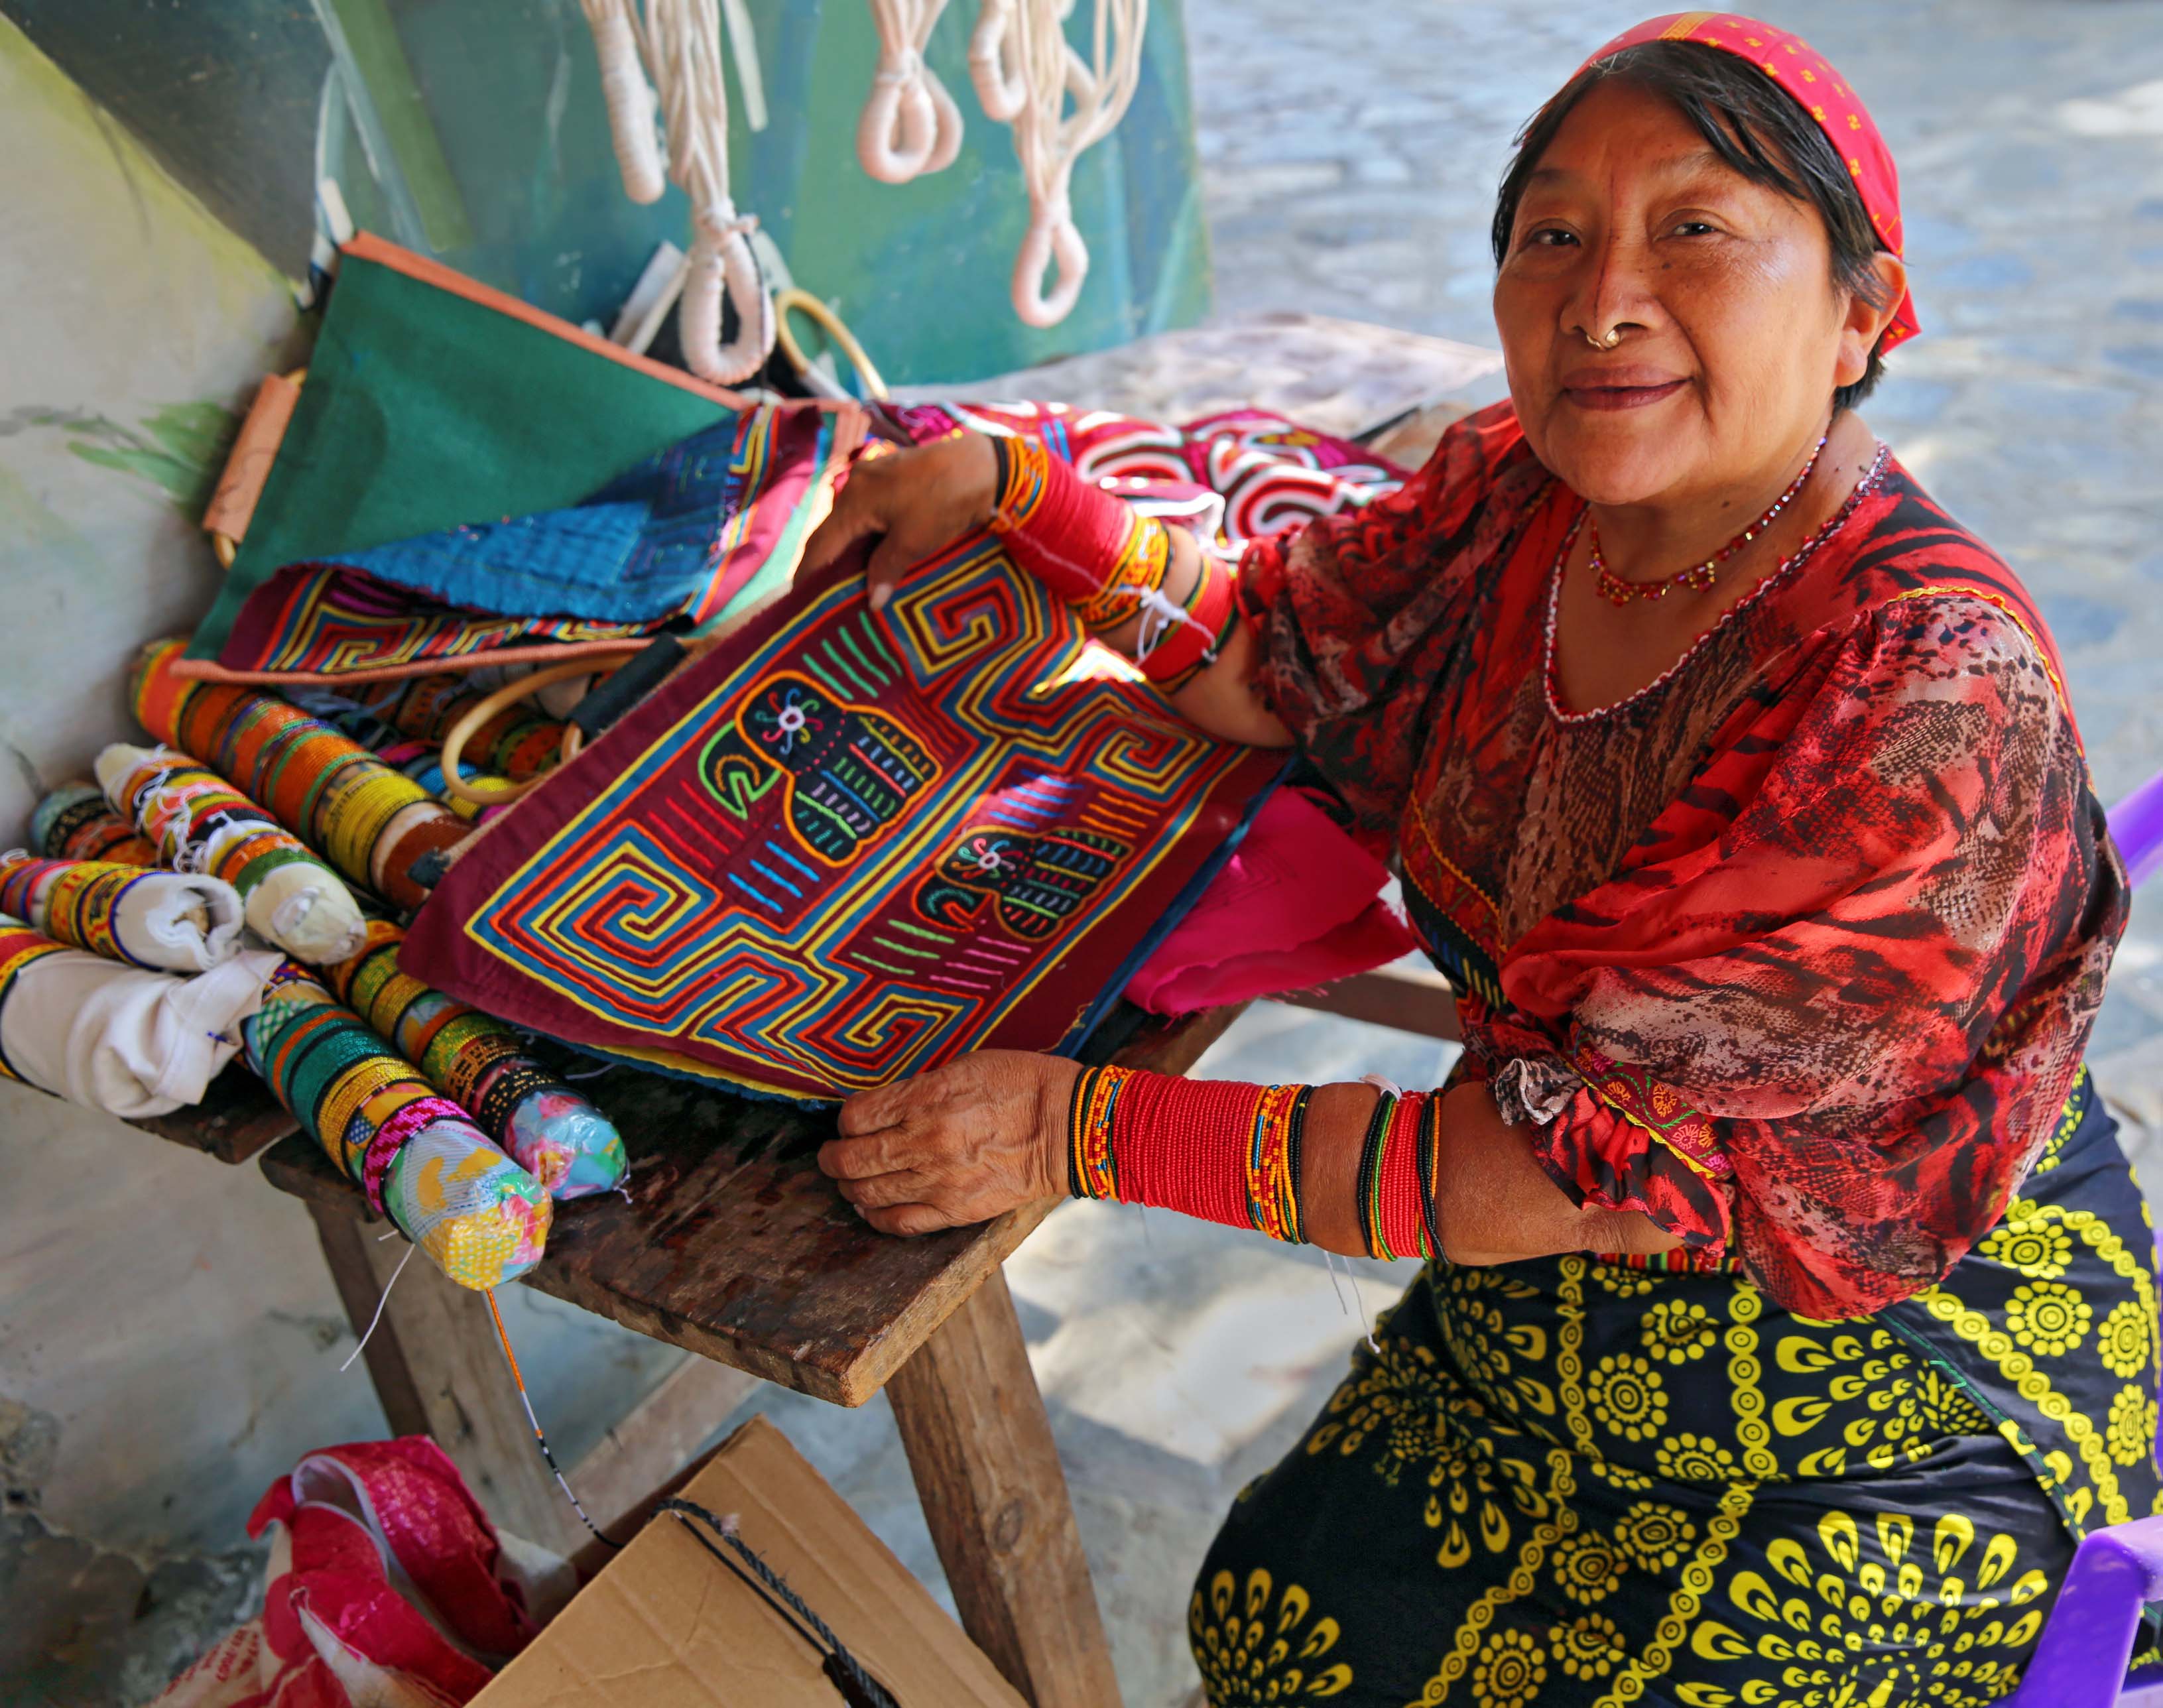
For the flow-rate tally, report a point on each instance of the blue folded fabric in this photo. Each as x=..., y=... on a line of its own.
x=639, y=550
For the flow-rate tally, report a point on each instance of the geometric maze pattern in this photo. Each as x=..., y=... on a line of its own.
x=847, y=845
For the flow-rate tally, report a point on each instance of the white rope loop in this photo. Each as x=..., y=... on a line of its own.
x=910, y=124
x=899, y=127
x=680, y=45
x=628, y=97
x=1048, y=139
x=1052, y=240
x=720, y=265
x=995, y=67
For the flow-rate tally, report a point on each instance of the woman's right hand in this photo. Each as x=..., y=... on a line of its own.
x=916, y=501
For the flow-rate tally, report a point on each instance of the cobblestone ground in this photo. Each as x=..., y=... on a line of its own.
x=1350, y=165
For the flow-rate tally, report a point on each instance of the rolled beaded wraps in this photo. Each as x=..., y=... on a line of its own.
x=1229, y=1152
x=1109, y=561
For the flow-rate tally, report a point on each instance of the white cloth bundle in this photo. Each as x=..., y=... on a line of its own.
x=199, y=822
x=178, y=921
x=130, y=1042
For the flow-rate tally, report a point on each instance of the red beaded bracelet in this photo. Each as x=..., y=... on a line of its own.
x=1109, y=561
x=1396, y=1176
x=1231, y=1153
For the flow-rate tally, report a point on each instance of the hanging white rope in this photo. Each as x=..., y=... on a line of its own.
x=910, y=124
x=1048, y=139
x=680, y=47
x=995, y=61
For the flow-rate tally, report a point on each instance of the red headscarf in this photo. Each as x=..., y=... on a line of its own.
x=1805, y=73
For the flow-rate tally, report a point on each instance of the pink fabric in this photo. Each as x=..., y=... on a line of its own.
x=334, y=1632
x=1297, y=904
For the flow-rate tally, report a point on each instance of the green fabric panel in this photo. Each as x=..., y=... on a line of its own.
x=423, y=410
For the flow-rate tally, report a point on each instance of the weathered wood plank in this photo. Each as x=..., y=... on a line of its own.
x=348, y=1245
x=730, y=1243
x=988, y=1473
x=628, y=1467
x=1410, y=999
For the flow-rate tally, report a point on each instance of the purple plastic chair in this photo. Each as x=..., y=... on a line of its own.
x=2136, y=825
x=2080, y=1661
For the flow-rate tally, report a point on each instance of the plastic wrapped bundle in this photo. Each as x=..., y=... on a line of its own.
x=76, y=822
x=198, y=822
x=130, y=1042
x=177, y=922
x=368, y=820
x=549, y=1129
x=480, y=1218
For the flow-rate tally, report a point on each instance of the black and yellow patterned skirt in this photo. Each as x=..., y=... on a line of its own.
x=1568, y=1482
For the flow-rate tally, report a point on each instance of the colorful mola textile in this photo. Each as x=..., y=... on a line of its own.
x=715, y=521
x=1231, y=477
x=845, y=847
x=431, y=399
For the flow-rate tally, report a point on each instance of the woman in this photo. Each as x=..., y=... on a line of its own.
x=1793, y=1311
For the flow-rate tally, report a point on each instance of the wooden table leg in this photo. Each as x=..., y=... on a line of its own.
x=439, y=1371
x=980, y=1448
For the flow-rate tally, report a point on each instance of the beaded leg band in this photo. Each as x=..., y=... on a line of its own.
x=1230, y=1153
x=1109, y=561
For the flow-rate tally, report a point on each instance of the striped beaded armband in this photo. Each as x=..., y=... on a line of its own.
x=1136, y=573
x=1279, y=1124
x=1211, y=1149
x=19, y=946
x=1092, y=1171
x=1103, y=558
x=1109, y=562
x=1023, y=467
x=1395, y=1189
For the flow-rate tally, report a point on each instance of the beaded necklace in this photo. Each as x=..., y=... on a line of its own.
x=1618, y=592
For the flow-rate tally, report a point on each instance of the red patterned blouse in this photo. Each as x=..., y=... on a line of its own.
x=1797, y=949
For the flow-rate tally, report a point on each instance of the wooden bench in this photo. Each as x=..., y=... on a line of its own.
x=729, y=1244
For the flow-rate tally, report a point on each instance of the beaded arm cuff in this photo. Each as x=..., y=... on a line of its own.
x=1109, y=561
x=1231, y=1153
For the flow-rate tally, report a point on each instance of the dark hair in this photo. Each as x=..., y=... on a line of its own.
x=1752, y=123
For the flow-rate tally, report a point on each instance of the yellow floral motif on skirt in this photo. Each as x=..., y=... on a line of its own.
x=1937, y=1613
x=1255, y=1645
x=1571, y=1484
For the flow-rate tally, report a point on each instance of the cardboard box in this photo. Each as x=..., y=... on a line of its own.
x=665, y=1625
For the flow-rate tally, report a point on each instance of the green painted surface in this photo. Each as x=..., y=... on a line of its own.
x=401, y=134
x=423, y=410
x=473, y=131
x=181, y=449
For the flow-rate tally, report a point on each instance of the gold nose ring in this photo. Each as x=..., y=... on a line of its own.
x=1613, y=339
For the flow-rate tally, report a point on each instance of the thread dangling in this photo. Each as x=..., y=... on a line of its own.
x=541, y=1440
x=1330, y=1261
x=382, y=1300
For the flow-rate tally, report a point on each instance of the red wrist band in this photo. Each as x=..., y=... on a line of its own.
x=1211, y=612
x=1395, y=1193
x=1232, y=1154
x=1063, y=530
x=1108, y=561
x=1211, y=1149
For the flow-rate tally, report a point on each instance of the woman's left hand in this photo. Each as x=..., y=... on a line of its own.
x=962, y=1142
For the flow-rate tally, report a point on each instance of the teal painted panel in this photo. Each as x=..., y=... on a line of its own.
x=473, y=130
